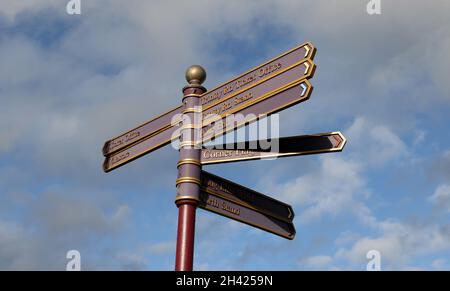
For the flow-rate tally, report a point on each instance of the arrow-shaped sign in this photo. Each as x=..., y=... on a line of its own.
x=275, y=148
x=263, y=106
x=251, y=78
x=246, y=94
x=297, y=93
x=257, y=75
x=245, y=205
x=267, y=89
x=150, y=128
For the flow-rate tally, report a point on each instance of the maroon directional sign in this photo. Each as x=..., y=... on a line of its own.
x=275, y=78
x=296, y=92
x=267, y=89
x=274, y=148
x=259, y=74
x=150, y=128
x=139, y=149
x=242, y=82
x=237, y=202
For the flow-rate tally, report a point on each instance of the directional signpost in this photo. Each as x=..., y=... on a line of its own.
x=203, y=116
x=158, y=132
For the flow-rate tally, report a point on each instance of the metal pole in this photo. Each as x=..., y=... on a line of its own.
x=189, y=168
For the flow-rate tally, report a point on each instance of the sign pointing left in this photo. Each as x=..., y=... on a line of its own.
x=149, y=128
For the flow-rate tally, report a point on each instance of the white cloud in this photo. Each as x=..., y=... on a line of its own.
x=11, y=8
x=419, y=137
x=374, y=144
x=339, y=183
x=13, y=247
x=441, y=197
x=132, y=261
x=68, y=216
x=316, y=262
x=398, y=244
x=163, y=247
x=331, y=189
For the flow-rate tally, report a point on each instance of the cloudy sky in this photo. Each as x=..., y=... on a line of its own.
x=70, y=82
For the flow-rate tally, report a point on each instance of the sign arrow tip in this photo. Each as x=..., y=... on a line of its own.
x=304, y=89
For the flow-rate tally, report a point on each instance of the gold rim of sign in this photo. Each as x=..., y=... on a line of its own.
x=273, y=155
x=306, y=97
x=310, y=52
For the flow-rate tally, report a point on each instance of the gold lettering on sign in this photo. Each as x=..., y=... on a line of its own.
x=243, y=98
x=221, y=108
x=227, y=207
x=217, y=154
x=240, y=83
x=227, y=188
x=119, y=157
x=247, y=80
x=224, y=206
x=124, y=139
x=132, y=135
x=115, y=143
x=269, y=69
x=213, y=202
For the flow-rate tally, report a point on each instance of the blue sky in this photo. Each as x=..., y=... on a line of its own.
x=68, y=83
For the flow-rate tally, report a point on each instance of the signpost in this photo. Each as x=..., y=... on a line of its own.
x=158, y=132
x=268, y=88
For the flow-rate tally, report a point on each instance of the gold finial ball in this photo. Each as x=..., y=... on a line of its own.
x=195, y=75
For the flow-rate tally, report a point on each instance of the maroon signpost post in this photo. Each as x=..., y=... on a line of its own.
x=273, y=86
x=189, y=170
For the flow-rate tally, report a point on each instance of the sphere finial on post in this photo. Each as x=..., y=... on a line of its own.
x=195, y=75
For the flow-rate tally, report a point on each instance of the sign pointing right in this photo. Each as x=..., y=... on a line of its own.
x=240, y=203
x=282, y=147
